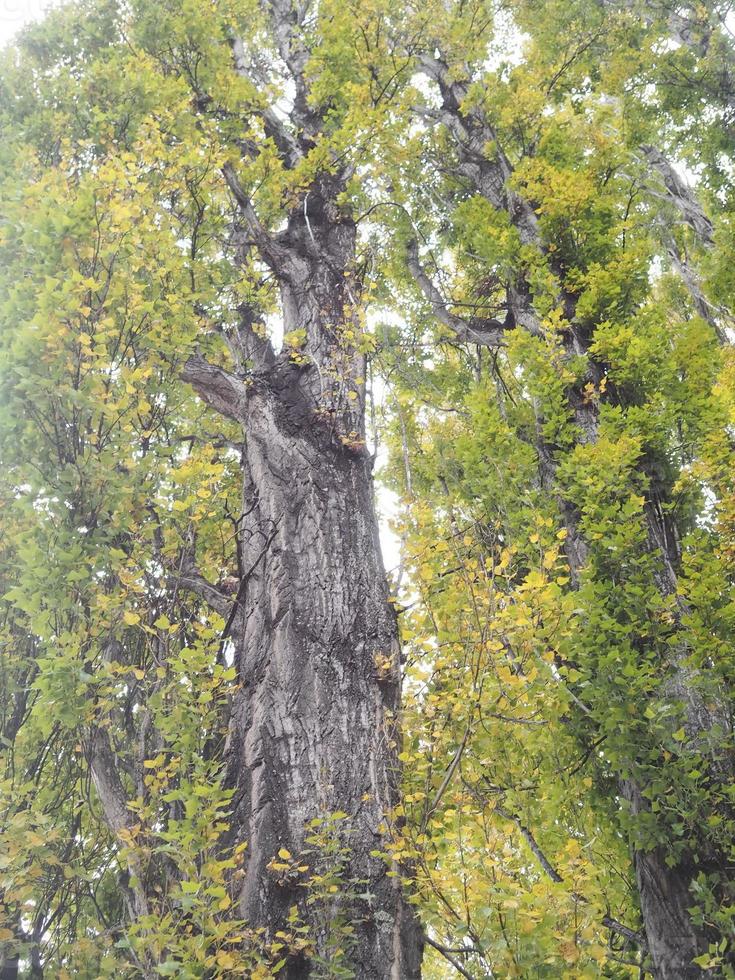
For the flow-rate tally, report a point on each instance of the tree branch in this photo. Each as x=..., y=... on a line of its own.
x=451, y=769
x=221, y=390
x=119, y=818
x=192, y=579
x=274, y=254
x=275, y=128
x=448, y=957
x=681, y=195
x=607, y=921
x=486, y=332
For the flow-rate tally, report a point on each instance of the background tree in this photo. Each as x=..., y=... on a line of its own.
x=598, y=392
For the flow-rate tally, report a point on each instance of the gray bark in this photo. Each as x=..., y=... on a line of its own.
x=313, y=726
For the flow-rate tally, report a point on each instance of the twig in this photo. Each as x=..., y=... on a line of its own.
x=448, y=957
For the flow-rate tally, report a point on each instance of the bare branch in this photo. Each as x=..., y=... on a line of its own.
x=287, y=17
x=702, y=305
x=113, y=798
x=451, y=769
x=532, y=843
x=614, y=926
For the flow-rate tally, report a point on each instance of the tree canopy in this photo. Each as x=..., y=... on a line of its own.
x=252, y=251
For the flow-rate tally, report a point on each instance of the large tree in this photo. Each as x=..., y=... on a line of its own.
x=202, y=167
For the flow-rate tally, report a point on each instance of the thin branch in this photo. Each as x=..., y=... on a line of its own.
x=608, y=921
x=680, y=194
x=486, y=332
x=451, y=769
x=448, y=957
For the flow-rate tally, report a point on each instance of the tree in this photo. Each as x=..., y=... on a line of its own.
x=225, y=197
x=550, y=271
x=218, y=220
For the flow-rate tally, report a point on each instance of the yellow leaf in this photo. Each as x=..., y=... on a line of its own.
x=131, y=618
x=284, y=854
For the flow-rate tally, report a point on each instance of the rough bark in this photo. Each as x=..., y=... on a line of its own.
x=672, y=938
x=313, y=728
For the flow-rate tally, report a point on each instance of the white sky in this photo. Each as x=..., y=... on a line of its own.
x=15, y=13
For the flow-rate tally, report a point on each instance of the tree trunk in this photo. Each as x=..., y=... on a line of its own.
x=663, y=891
x=313, y=730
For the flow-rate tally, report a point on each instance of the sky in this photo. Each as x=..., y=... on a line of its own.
x=15, y=13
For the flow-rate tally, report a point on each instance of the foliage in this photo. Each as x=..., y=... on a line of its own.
x=535, y=685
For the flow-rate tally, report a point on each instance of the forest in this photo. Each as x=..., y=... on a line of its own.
x=367, y=499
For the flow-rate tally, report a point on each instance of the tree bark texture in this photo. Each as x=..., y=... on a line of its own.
x=673, y=939
x=313, y=727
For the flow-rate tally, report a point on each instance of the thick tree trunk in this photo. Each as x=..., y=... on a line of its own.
x=313, y=730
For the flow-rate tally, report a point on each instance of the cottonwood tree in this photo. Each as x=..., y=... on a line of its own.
x=193, y=175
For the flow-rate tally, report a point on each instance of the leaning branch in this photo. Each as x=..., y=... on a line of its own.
x=681, y=195
x=118, y=816
x=271, y=251
x=607, y=921
x=486, y=332
x=451, y=769
x=274, y=126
